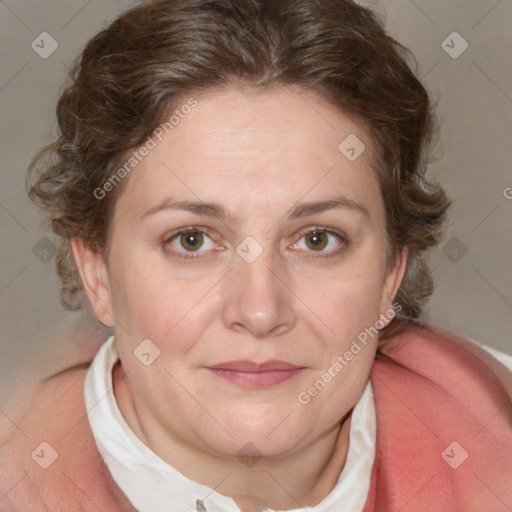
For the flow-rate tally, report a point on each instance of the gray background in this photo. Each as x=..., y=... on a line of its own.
x=471, y=268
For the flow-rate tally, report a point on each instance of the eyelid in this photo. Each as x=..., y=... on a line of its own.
x=179, y=231
x=332, y=231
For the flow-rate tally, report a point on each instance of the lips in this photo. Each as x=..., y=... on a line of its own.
x=252, y=366
x=252, y=374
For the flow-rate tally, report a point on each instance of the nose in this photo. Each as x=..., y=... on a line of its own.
x=257, y=299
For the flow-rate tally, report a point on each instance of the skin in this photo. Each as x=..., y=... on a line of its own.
x=258, y=155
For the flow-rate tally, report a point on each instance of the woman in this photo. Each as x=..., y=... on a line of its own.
x=240, y=193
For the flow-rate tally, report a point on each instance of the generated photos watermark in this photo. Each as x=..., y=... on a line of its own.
x=342, y=361
x=143, y=151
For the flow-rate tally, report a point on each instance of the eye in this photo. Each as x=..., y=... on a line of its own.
x=321, y=240
x=189, y=240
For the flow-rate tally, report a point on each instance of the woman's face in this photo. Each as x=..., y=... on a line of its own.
x=285, y=261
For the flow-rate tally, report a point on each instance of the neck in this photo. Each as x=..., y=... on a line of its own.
x=300, y=479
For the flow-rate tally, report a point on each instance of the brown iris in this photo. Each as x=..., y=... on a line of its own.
x=191, y=240
x=317, y=240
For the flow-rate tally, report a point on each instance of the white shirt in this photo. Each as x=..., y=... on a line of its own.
x=153, y=485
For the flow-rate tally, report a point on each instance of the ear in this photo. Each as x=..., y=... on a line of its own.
x=94, y=276
x=392, y=283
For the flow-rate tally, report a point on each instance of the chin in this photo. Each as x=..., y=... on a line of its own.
x=271, y=438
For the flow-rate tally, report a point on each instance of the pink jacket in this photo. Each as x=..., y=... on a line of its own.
x=444, y=426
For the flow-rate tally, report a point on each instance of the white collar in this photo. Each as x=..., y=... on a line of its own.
x=153, y=485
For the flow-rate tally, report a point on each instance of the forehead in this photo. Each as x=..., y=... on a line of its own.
x=275, y=146
x=234, y=120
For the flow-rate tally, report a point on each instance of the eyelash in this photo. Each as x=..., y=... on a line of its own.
x=205, y=231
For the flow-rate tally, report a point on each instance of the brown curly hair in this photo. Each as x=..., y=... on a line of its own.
x=132, y=73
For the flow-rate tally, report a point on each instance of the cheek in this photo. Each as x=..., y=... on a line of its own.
x=351, y=307
x=349, y=299
x=150, y=303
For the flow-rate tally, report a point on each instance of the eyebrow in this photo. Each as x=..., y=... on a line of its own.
x=218, y=212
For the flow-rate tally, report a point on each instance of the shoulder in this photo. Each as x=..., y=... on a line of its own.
x=48, y=457
x=444, y=412
x=435, y=368
x=455, y=363
x=28, y=440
